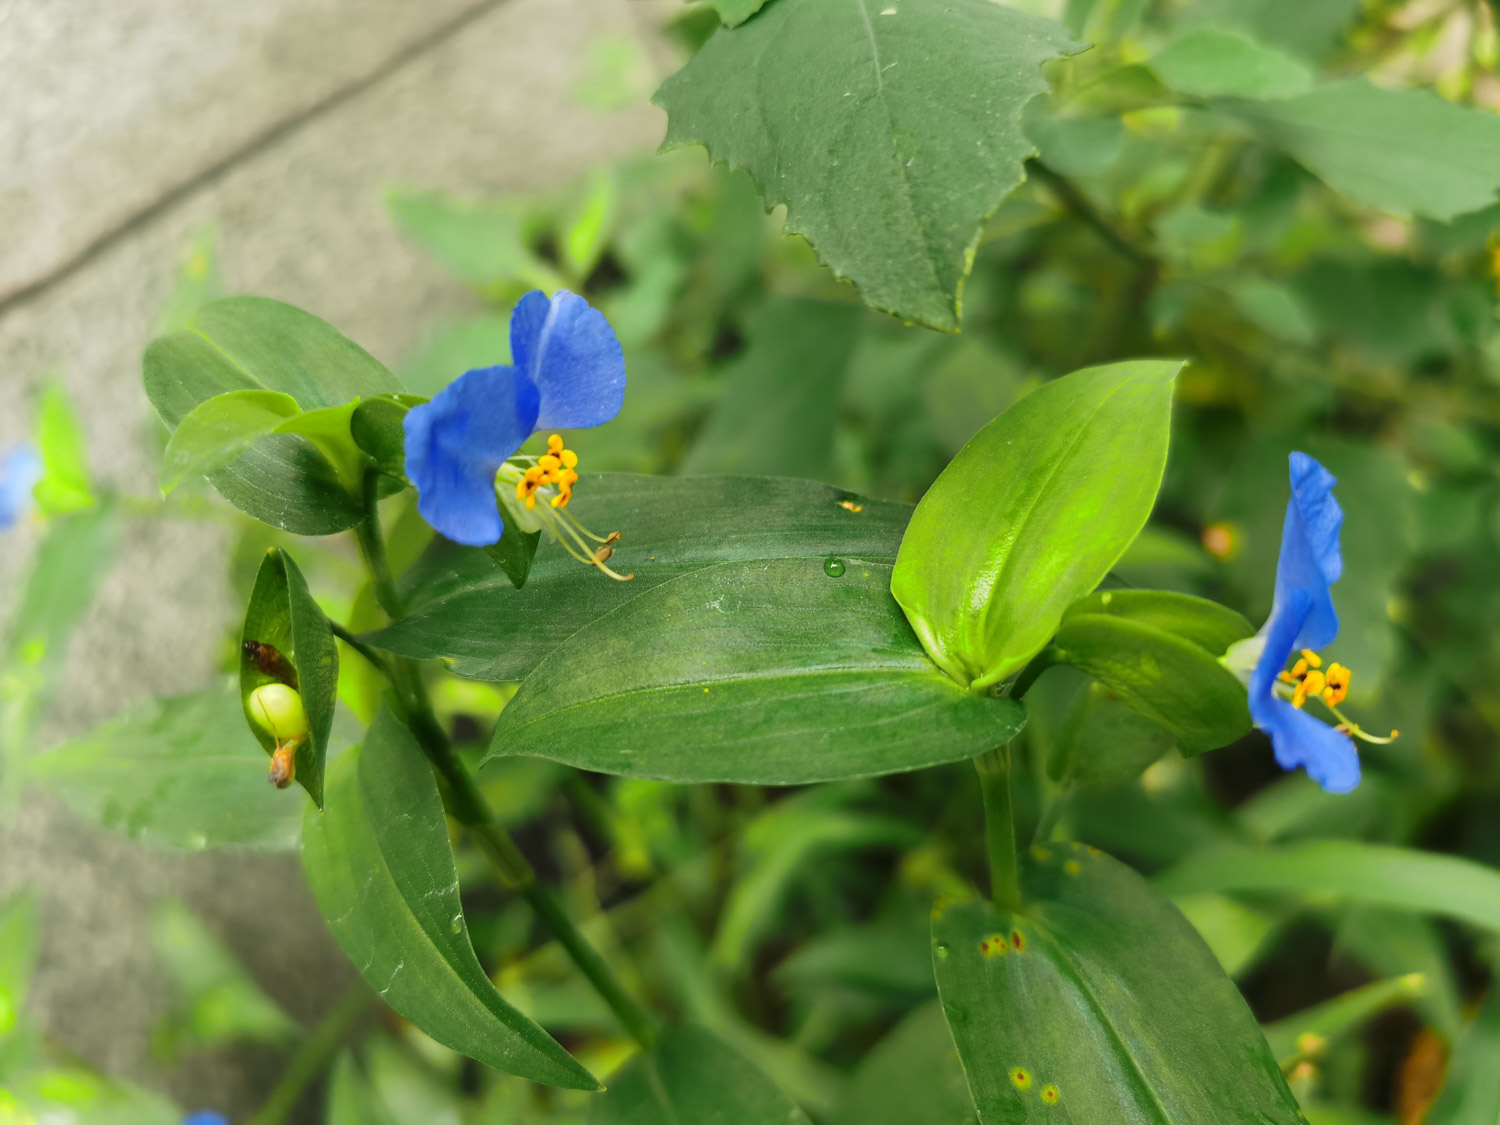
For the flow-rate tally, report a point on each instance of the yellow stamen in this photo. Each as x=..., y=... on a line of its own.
x=1338, y=684
x=1312, y=658
x=1312, y=684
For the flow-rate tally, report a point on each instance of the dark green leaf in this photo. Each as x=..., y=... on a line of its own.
x=1399, y=150
x=381, y=868
x=689, y=1076
x=515, y=553
x=215, y=432
x=1097, y=1001
x=1215, y=63
x=912, y=1077
x=775, y=672
x=178, y=773
x=1159, y=652
x=465, y=611
x=1351, y=871
x=1105, y=743
x=890, y=132
x=250, y=343
x=378, y=428
x=1073, y=146
x=1031, y=514
x=782, y=396
x=283, y=615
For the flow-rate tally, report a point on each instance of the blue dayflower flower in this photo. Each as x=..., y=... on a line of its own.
x=205, y=1117
x=567, y=372
x=1303, y=620
x=20, y=470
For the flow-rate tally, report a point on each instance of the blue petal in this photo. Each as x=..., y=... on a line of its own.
x=1300, y=741
x=1310, y=561
x=205, y=1117
x=570, y=352
x=19, y=473
x=456, y=443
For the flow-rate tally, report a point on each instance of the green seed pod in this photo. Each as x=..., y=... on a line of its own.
x=278, y=711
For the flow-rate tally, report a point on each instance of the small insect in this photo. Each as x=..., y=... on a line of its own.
x=270, y=662
x=283, y=764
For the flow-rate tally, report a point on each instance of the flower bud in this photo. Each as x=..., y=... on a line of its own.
x=277, y=710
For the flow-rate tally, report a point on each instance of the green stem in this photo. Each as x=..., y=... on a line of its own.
x=315, y=1054
x=1029, y=674
x=1081, y=206
x=467, y=804
x=360, y=647
x=993, y=767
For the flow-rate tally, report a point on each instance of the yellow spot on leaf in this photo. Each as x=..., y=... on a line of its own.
x=994, y=946
x=1072, y=867
x=1041, y=854
x=1020, y=1078
x=1050, y=1094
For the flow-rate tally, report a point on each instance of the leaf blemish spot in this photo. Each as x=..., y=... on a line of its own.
x=1018, y=940
x=1020, y=1078
x=1050, y=1094
x=1041, y=854
x=1072, y=867
x=994, y=946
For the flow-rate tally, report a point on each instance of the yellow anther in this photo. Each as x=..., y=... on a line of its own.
x=549, y=464
x=1312, y=658
x=1299, y=670
x=569, y=459
x=526, y=487
x=1312, y=684
x=555, y=443
x=1221, y=540
x=1337, y=687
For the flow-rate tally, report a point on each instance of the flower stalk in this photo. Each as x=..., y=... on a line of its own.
x=993, y=767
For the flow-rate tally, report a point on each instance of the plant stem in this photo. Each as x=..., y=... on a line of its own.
x=993, y=767
x=1080, y=205
x=315, y=1053
x=467, y=804
x=1029, y=674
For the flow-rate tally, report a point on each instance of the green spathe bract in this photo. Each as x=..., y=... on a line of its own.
x=1031, y=515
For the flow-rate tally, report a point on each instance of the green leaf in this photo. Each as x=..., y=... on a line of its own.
x=466, y=612
x=250, y=343
x=912, y=1077
x=782, y=396
x=217, y=1001
x=19, y=942
x=1307, y=30
x=1031, y=515
x=378, y=426
x=380, y=865
x=64, y=486
x=689, y=1076
x=217, y=431
x=72, y=560
x=1348, y=870
x=1400, y=150
x=1073, y=145
x=735, y=12
x=772, y=672
x=283, y=615
x=1105, y=743
x=1214, y=63
x=351, y=1101
x=176, y=773
x=1471, y=1094
x=1288, y=1038
x=890, y=131
x=1159, y=653
x=515, y=553
x=484, y=244
x=1097, y=1001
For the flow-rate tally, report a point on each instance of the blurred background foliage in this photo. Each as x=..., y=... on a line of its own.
x=793, y=923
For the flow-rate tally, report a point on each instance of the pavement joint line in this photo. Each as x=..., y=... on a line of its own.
x=27, y=291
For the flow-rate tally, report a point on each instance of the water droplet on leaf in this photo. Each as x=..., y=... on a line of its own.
x=834, y=568
x=941, y=949
x=457, y=925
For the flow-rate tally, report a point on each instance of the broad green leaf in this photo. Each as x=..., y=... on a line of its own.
x=1307, y=30
x=19, y=942
x=1073, y=145
x=781, y=398
x=515, y=553
x=72, y=560
x=1235, y=932
x=1097, y=1001
x=772, y=672
x=380, y=865
x=215, y=432
x=378, y=427
x=1471, y=1094
x=1400, y=150
x=64, y=486
x=1347, y=870
x=690, y=1076
x=487, y=245
x=1105, y=743
x=1215, y=63
x=217, y=1001
x=1031, y=514
x=283, y=616
x=176, y=773
x=466, y=612
x=1307, y=1033
x=1159, y=652
x=912, y=1077
x=251, y=343
x=891, y=131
